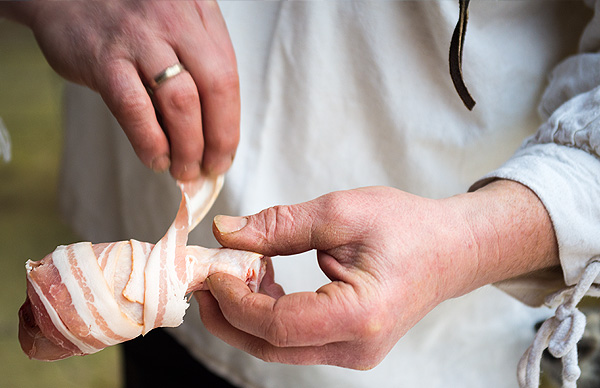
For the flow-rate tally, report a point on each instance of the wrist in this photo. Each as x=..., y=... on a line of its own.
x=509, y=230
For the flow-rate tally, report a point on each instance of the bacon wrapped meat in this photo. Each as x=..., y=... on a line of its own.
x=84, y=297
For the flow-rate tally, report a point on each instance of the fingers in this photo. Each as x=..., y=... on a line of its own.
x=215, y=74
x=199, y=109
x=126, y=97
x=178, y=103
x=116, y=48
x=323, y=224
x=280, y=230
x=299, y=319
x=300, y=346
x=216, y=323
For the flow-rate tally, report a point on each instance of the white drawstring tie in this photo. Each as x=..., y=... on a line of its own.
x=561, y=333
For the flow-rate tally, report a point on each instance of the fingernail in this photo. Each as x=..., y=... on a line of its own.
x=216, y=169
x=187, y=172
x=161, y=163
x=192, y=168
x=227, y=224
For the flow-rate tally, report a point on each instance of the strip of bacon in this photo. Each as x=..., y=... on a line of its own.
x=84, y=297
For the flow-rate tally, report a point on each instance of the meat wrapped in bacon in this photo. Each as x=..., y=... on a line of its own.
x=84, y=297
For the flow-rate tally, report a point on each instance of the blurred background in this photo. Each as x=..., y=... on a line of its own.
x=30, y=225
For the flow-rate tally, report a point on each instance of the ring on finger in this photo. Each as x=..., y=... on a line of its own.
x=166, y=75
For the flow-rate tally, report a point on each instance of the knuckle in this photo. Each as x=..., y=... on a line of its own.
x=346, y=214
x=334, y=205
x=131, y=105
x=276, y=221
x=373, y=337
x=182, y=99
x=224, y=82
x=124, y=97
x=370, y=328
x=223, y=143
x=276, y=333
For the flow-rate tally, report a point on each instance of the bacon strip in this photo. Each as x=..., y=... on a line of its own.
x=84, y=297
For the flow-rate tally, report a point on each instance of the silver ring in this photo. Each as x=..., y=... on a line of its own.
x=166, y=74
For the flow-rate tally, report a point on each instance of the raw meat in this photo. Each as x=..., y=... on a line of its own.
x=84, y=297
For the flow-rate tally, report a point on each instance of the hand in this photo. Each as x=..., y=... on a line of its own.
x=117, y=47
x=391, y=258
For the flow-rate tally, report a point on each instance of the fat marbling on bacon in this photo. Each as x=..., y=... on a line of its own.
x=84, y=297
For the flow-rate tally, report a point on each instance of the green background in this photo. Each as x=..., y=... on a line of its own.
x=30, y=225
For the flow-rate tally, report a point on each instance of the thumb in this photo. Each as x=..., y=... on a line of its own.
x=279, y=230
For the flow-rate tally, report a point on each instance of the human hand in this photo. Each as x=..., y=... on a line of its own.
x=391, y=258
x=118, y=47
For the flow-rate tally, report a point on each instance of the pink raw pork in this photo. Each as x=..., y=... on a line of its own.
x=84, y=297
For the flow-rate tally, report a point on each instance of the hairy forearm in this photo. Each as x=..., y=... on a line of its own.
x=511, y=231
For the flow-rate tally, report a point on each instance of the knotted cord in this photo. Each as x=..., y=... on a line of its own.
x=560, y=333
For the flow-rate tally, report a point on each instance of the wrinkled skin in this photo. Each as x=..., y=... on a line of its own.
x=391, y=258
x=117, y=47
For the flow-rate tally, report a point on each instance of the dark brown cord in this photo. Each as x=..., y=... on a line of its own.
x=456, y=50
